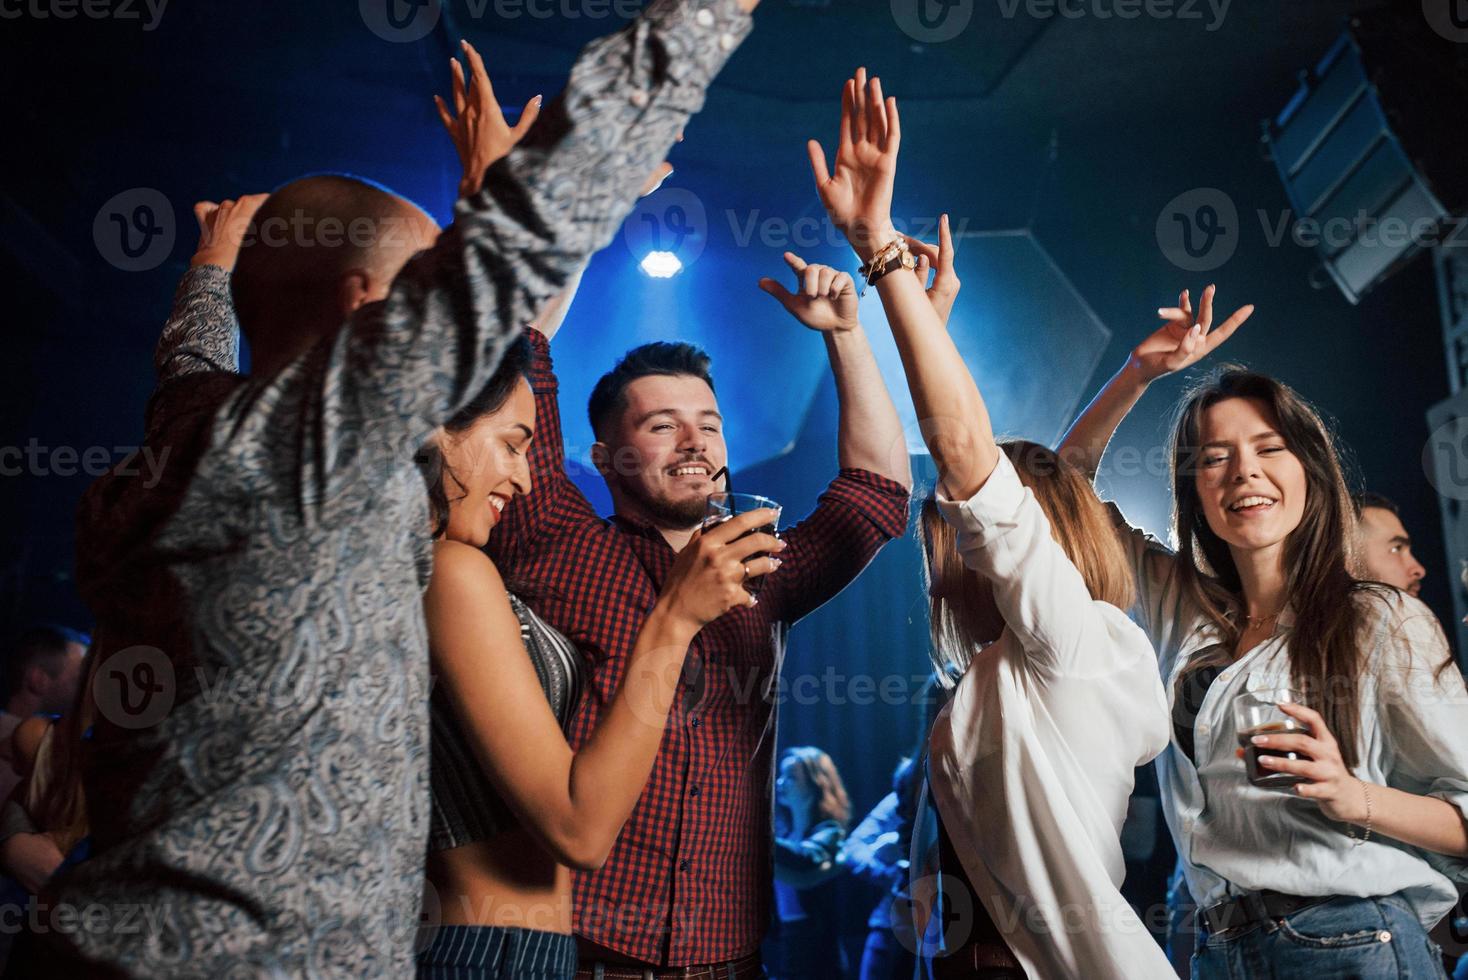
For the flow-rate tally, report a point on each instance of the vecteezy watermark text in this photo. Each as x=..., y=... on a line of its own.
x=34, y=459
x=149, y=12
x=1119, y=10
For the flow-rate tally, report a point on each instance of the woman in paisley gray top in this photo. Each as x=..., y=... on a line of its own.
x=514, y=808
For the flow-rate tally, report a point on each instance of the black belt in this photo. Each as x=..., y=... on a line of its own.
x=1254, y=907
x=747, y=968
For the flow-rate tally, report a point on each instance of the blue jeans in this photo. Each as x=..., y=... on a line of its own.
x=1369, y=938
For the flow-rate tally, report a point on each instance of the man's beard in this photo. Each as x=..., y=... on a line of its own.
x=674, y=515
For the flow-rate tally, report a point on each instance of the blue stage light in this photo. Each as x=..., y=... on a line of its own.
x=661, y=265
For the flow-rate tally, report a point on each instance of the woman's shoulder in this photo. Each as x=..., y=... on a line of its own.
x=456, y=563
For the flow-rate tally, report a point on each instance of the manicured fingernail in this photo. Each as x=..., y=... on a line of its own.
x=775, y=563
x=1260, y=739
x=537, y=99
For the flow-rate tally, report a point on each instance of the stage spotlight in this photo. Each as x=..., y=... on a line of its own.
x=661, y=265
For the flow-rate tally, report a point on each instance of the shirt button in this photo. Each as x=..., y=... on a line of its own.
x=727, y=42
x=705, y=18
x=693, y=791
x=638, y=98
x=695, y=721
x=683, y=865
x=1188, y=825
x=1202, y=729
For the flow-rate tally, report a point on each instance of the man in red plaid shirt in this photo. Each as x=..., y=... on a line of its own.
x=688, y=882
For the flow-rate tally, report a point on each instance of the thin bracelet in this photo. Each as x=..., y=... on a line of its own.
x=1358, y=841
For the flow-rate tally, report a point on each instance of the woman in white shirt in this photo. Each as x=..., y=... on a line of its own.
x=1057, y=697
x=1342, y=873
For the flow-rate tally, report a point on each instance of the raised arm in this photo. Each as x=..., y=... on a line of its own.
x=870, y=433
x=952, y=417
x=576, y=802
x=1182, y=341
x=202, y=333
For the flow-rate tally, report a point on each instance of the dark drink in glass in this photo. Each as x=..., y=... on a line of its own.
x=1258, y=713
x=1260, y=776
x=722, y=506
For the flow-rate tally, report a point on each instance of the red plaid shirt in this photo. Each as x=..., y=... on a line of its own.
x=688, y=880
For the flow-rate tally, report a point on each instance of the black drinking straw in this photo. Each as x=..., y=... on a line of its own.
x=728, y=487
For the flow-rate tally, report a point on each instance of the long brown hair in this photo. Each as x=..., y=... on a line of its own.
x=1326, y=648
x=55, y=799
x=962, y=614
x=820, y=772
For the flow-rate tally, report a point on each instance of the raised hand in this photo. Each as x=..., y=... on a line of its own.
x=944, y=289
x=825, y=301
x=478, y=128
x=708, y=578
x=1185, y=339
x=222, y=229
x=858, y=194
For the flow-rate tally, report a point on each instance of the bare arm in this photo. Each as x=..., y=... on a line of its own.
x=870, y=435
x=951, y=414
x=1181, y=341
x=576, y=802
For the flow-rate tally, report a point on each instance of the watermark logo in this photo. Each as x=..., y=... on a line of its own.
x=932, y=21
x=135, y=688
x=1445, y=459
x=400, y=21
x=1199, y=229
x=1449, y=18
x=671, y=220
x=134, y=231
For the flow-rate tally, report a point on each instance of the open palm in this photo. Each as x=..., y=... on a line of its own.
x=1185, y=339
x=858, y=192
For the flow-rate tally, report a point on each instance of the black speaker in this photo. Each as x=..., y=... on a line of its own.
x=1372, y=150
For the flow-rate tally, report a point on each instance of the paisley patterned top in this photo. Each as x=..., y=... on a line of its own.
x=259, y=773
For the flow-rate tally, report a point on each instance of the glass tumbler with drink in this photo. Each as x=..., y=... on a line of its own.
x=722, y=506
x=1258, y=713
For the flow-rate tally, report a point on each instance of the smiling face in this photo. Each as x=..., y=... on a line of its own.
x=1252, y=488
x=661, y=454
x=485, y=465
x=1385, y=551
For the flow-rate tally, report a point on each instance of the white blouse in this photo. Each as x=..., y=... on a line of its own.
x=1031, y=761
x=1234, y=836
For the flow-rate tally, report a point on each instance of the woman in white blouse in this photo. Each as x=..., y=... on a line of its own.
x=1057, y=697
x=1342, y=873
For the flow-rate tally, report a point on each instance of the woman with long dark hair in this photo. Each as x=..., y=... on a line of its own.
x=812, y=815
x=1341, y=870
x=1056, y=696
x=514, y=807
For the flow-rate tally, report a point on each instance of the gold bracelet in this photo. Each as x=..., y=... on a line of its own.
x=884, y=255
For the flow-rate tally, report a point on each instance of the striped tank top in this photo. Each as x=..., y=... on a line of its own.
x=466, y=806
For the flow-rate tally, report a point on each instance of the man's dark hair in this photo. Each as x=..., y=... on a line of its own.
x=43, y=645
x=609, y=397
x=1366, y=499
